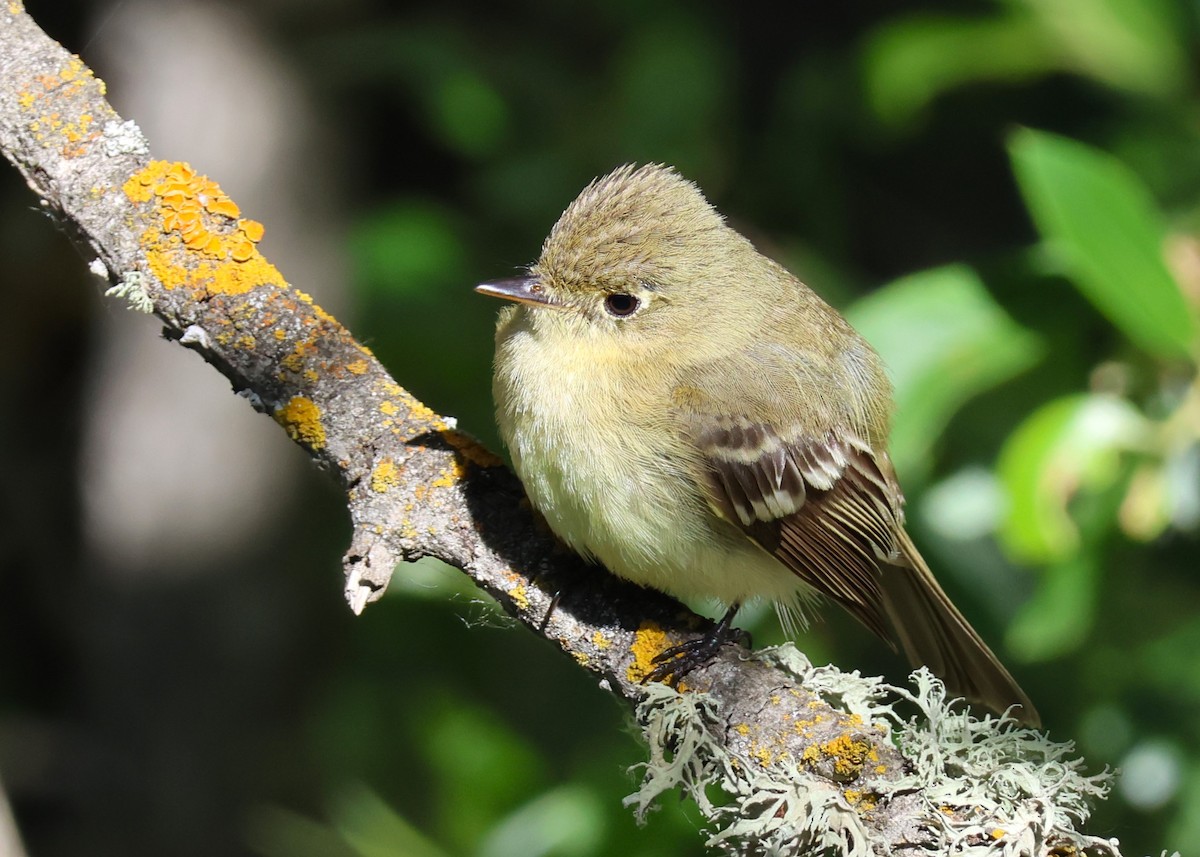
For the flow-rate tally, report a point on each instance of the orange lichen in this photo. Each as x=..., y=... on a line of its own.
x=385, y=476
x=60, y=106
x=762, y=755
x=849, y=755
x=202, y=242
x=302, y=419
x=861, y=800
x=471, y=449
x=648, y=642
x=449, y=476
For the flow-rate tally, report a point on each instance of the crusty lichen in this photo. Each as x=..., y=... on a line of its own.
x=60, y=113
x=987, y=786
x=301, y=417
x=198, y=239
x=649, y=641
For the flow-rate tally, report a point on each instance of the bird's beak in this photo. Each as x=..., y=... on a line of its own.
x=525, y=290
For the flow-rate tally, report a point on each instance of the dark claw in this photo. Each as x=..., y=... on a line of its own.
x=676, y=662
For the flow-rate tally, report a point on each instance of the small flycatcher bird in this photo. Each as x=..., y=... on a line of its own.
x=685, y=411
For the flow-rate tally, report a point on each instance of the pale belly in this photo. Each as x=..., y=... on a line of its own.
x=618, y=496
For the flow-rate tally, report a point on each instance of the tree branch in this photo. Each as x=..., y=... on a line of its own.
x=171, y=243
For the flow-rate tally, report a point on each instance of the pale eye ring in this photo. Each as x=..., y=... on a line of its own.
x=621, y=304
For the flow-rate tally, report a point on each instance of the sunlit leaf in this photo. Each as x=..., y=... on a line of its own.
x=1067, y=445
x=944, y=340
x=1132, y=44
x=1100, y=224
x=565, y=821
x=908, y=62
x=374, y=829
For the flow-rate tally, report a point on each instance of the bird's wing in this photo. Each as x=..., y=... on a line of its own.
x=823, y=506
x=828, y=507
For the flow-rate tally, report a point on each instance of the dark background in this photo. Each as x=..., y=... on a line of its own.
x=178, y=672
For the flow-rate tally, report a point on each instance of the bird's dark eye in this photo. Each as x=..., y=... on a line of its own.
x=621, y=305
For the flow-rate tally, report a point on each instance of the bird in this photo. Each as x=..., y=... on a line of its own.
x=683, y=410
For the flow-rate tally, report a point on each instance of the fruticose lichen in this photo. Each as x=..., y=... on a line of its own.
x=986, y=786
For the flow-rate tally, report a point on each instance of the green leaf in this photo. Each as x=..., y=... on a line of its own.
x=943, y=340
x=1100, y=224
x=1130, y=44
x=1065, y=446
x=910, y=61
x=373, y=829
x=1133, y=44
x=566, y=821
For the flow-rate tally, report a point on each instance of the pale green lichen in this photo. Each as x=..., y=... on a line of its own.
x=988, y=786
x=133, y=289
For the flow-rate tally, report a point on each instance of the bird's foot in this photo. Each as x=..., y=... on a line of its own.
x=673, y=664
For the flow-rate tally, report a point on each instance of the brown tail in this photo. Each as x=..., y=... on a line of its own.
x=932, y=632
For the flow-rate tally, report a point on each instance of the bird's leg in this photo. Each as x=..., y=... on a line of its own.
x=677, y=661
x=554, y=599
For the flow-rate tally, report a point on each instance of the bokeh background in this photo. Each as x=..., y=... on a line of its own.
x=1003, y=194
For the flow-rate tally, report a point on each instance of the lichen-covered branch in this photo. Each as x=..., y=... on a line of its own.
x=807, y=759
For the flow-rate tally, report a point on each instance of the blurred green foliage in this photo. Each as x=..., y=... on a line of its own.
x=1003, y=196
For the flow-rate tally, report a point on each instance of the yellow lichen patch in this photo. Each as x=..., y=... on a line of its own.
x=450, y=476
x=998, y=833
x=649, y=641
x=302, y=419
x=601, y=640
x=520, y=596
x=385, y=476
x=388, y=407
x=301, y=351
x=581, y=658
x=201, y=241
x=863, y=801
x=849, y=755
x=57, y=120
x=742, y=729
x=15, y=8
x=357, y=367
